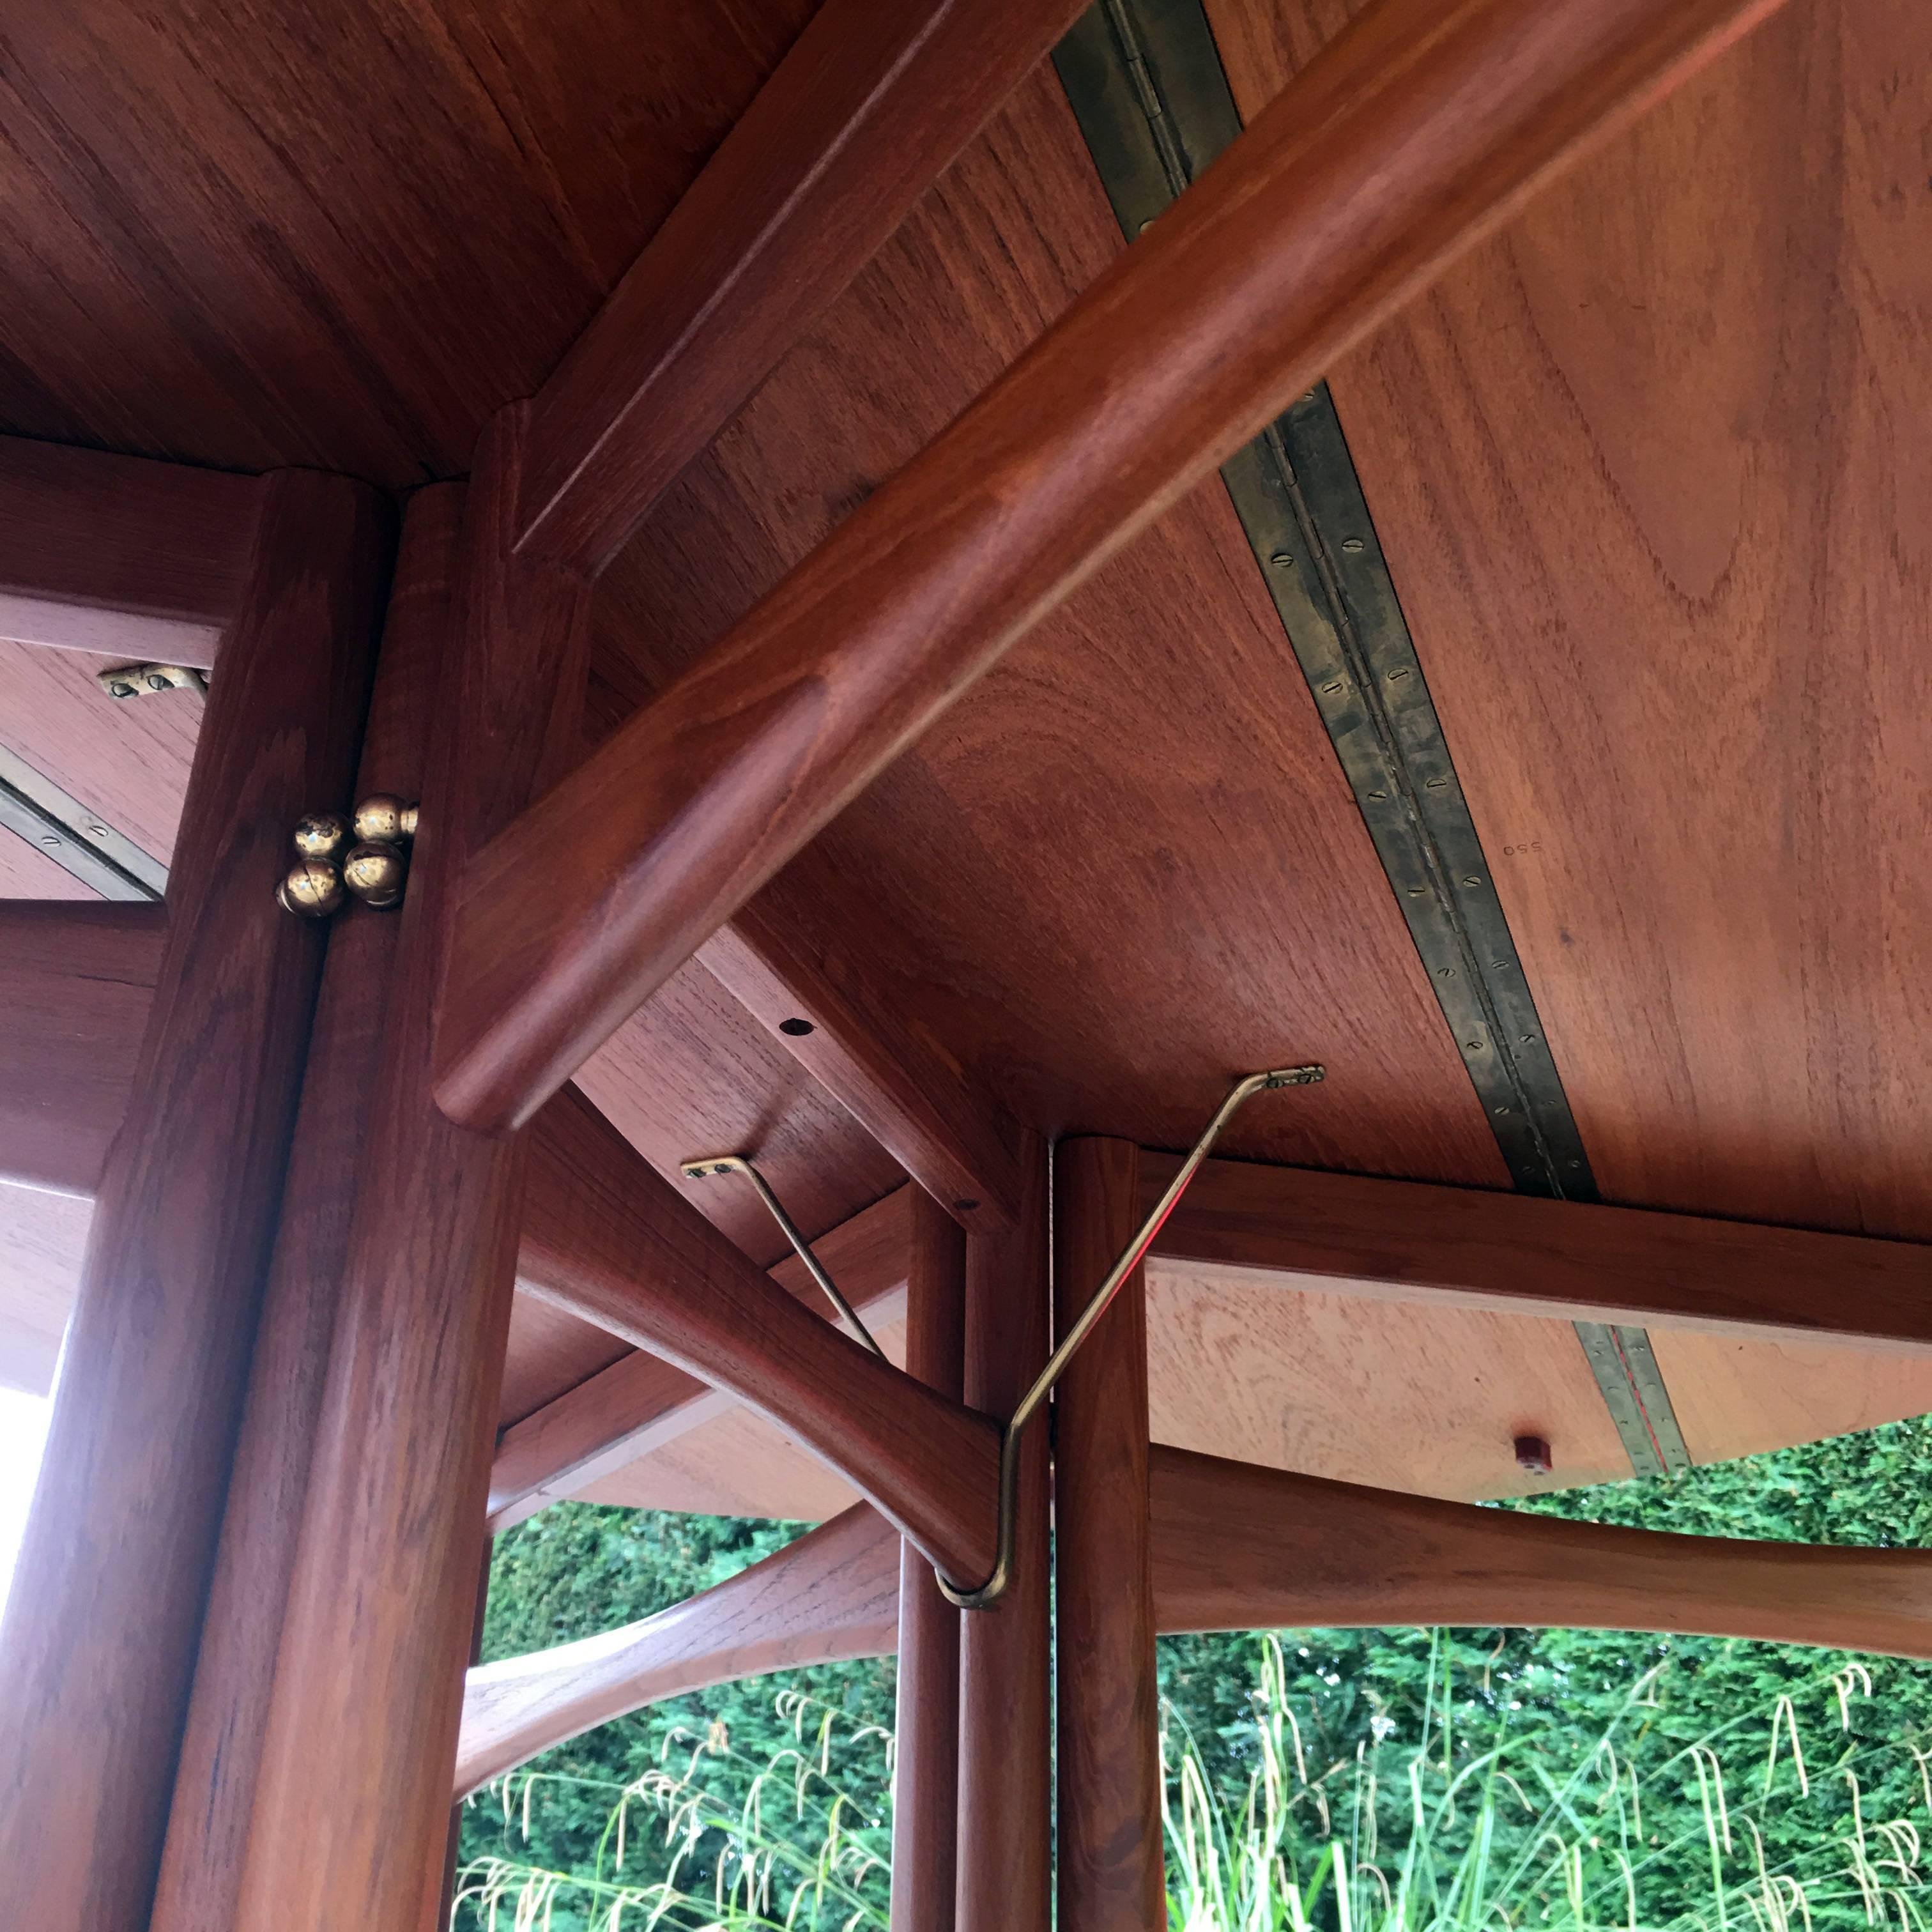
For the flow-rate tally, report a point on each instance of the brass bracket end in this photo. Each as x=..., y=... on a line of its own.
x=705, y=1165
x=139, y=680
x=982, y=1595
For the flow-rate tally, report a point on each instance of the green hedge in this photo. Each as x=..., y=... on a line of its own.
x=577, y=1569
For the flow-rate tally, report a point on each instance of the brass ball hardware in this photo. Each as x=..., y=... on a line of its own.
x=329, y=871
x=383, y=817
x=311, y=888
x=374, y=872
x=321, y=834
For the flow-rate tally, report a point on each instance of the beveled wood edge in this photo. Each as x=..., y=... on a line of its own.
x=1523, y=1255
x=121, y=556
x=930, y=1114
x=1238, y=1547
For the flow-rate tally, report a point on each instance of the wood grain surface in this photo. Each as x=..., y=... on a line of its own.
x=831, y=1596
x=128, y=761
x=925, y=1720
x=1641, y=469
x=111, y=554
x=643, y=1263
x=1006, y=1670
x=1109, y=1875
x=1430, y=124
x=870, y=104
x=739, y=1463
x=77, y=981
x=1736, y=1398
x=103, y=1619
x=28, y=873
x=232, y=248
x=1400, y=1393
x=352, y=1811
x=1126, y=862
x=912, y=1099
x=235, y=1670
x=640, y=1402
x=1555, y=1258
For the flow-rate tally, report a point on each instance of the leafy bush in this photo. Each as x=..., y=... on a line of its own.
x=1456, y=1828
x=1359, y=1703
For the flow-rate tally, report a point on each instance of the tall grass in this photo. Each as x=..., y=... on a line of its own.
x=794, y=1851
x=1472, y=1825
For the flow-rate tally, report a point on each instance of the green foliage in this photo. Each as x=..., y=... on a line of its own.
x=1360, y=1700
x=578, y=1568
x=1508, y=1820
x=793, y=1850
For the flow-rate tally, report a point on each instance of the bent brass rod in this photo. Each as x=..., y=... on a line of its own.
x=983, y=1595
x=738, y=1163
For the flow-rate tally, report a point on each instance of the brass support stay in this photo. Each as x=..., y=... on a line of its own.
x=983, y=1595
x=738, y=1163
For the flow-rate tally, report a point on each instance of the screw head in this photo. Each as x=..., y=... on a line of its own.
x=374, y=872
x=385, y=817
x=321, y=834
x=311, y=888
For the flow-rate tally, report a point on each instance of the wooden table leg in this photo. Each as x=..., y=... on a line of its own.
x=1006, y=1702
x=352, y=1805
x=106, y=1610
x=201, y=1870
x=1110, y=1875
x=925, y=1784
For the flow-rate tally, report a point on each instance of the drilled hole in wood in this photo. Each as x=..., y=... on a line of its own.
x=798, y=1029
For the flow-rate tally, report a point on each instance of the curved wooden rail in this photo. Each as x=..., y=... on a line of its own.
x=606, y=1237
x=1235, y=1547
x=832, y=1595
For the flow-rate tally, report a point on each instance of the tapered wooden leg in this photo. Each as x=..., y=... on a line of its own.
x=925, y=1784
x=1110, y=1875
x=201, y=1870
x=106, y=1606
x=1006, y=1699
x=353, y=1799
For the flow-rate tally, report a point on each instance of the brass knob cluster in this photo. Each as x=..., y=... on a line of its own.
x=365, y=856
